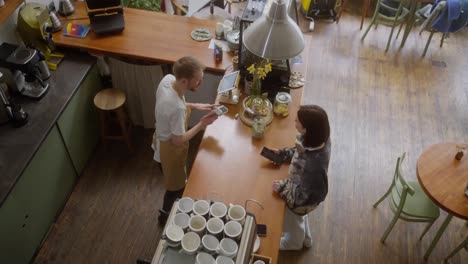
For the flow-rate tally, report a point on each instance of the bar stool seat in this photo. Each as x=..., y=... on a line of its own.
x=113, y=100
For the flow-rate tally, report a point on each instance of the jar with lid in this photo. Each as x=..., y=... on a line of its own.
x=281, y=107
x=258, y=127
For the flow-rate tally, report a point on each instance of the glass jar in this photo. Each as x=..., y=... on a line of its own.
x=258, y=127
x=281, y=107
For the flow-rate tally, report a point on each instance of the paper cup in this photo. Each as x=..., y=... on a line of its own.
x=174, y=235
x=197, y=224
x=218, y=210
x=224, y=260
x=204, y=258
x=236, y=213
x=201, y=207
x=233, y=229
x=185, y=205
x=190, y=243
x=215, y=226
x=210, y=243
x=181, y=220
x=227, y=247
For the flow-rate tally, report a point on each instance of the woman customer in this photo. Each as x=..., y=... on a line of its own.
x=307, y=184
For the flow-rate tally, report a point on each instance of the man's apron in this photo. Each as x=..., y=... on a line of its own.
x=174, y=161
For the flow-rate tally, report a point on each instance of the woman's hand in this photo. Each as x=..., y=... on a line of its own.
x=276, y=186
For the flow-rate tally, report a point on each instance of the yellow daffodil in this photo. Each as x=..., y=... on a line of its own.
x=268, y=68
x=260, y=71
x=251, y=69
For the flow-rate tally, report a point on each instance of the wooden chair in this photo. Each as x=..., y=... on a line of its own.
x=219, y=7
x=427, y=25
x=112, y=100
x=401, y=13
x=408, y=202
x=463, y=244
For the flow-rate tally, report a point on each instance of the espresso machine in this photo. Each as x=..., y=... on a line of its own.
x=27, y=68
x=8, y=110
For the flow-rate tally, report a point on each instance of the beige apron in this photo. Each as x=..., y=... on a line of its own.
x=174, y=161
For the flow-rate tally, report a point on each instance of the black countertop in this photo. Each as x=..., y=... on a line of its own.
x=18, y=145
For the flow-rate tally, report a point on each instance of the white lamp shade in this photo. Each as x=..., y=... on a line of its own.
x=274, y=35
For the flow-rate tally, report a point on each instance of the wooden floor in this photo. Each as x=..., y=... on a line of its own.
x=379, y=105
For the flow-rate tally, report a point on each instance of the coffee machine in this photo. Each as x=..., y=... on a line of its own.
x=28, y=69
x=35, y=28
x=8, y=110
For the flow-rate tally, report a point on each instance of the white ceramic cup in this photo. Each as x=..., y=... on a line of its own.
x=204, y=258
x=181, y=220
x=210, y=243
x=218, y=209
x=236, y=213
x=185, y=205
x=259, y=262
x=201, y=207
x=174, y=235
x=224, y=260
x=215, y=226
x=233, y=229
x=190, y=243
x=197, y=224
x=227, y=247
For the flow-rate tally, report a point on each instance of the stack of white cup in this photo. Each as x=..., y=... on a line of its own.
x=207, y=230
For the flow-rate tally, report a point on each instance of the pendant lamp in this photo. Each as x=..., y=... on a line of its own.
x=274, y=35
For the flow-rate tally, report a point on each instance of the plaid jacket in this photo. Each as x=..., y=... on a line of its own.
x=307, y=184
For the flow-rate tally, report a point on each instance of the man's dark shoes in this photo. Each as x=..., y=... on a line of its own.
x=162, y=218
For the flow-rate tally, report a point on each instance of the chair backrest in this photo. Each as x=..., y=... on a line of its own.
x=427, y=24
x=389, y=8
x=400, y=188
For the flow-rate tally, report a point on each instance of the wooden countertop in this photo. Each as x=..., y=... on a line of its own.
x=229, y=167
x=148, y=36
x=8, y=9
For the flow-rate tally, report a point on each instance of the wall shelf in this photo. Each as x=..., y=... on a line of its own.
x=8, y=9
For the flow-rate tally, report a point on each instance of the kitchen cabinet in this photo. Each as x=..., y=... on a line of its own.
x=37, y=197
x=78, y=123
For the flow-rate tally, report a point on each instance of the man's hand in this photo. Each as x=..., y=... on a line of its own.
x=204, y=107
x=208, y=119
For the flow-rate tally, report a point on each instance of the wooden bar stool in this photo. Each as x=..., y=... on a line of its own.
x=112, y=100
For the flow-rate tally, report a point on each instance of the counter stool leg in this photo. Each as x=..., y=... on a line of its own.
x=123, y=126
x=102, y=124
x=438, y=235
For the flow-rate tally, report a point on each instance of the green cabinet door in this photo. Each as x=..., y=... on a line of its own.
x=78, y=124
x=35, y=201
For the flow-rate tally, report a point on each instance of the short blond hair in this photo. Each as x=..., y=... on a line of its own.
x=186, y=67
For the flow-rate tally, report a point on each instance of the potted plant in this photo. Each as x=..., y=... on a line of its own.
x=150, y=5
x=257, y=105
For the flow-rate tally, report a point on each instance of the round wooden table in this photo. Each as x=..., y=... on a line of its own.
x=443, y=179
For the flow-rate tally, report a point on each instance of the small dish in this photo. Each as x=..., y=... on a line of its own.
x=201, y=34
x=256, y=245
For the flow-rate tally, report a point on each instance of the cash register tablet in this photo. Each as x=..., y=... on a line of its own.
x=229, y=82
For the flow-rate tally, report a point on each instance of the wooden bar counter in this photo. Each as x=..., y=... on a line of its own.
x=229, y=167
x=148, y=36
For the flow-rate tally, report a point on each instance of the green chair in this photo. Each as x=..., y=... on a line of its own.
x=427, y=25
x=463, y=244
x=401, y=14
x=408, y=202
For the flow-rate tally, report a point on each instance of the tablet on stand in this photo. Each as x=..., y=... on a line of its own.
x=228, y=88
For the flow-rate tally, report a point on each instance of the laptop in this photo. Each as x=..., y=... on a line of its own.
x=106, y=16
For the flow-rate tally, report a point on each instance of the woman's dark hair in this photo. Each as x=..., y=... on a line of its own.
x=315, y=120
